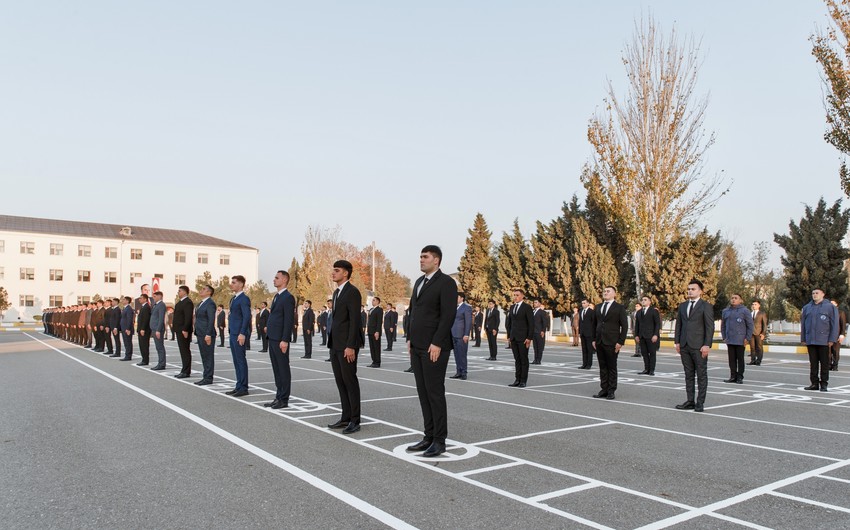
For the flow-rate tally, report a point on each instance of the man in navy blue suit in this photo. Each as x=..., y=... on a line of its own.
x=238, y=323
x=126, y=326
x=279, y=330
x=205, y=331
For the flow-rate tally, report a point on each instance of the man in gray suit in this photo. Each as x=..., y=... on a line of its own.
x=158, y=329
x=461, y=329
x=693, y=337
x=205, y=331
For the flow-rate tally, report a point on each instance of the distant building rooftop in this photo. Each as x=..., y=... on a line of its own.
x=106, y=231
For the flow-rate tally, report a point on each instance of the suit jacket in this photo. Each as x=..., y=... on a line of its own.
x=143, y=320
x=697, y=330
x=478, y=320
x=308, y=320
x=648, y=325
x=587, y=323
x=463, y=321
x=760, y=323
x=541, y=321
x=239, y=321
x=322, y=319
x=736, y=325
x=364, y=316
x=612, y=327
x=376, y=318
x=114, y=317
x=220, y=319
x=182, y=318
x=390, y=320
x=520, y=326
x=281, y=317
x=493, y=319
x=127, y=317
x=97, y=317
x=432, y=312
x=158, y=317
x=263, y=319
x=205, y=318
x=345, y=328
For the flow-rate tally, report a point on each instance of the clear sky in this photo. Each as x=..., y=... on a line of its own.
x=397, y=121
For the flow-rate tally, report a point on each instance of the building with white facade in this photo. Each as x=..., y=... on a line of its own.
x=50, y=263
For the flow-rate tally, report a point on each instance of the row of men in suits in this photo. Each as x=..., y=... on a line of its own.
x=378, y=320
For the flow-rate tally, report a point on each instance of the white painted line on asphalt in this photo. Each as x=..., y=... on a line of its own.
x=566, y=491
x=809, y=501
x=528, y=435
x=318, y=416
x=388, y=436
x=835, y=479
x=344, y=496
x=736, y=404
x=490, y=468
x=741, y=522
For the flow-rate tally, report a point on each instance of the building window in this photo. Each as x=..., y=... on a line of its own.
x=27, y=247
x=84, y=251
x=110, y=252
x=158, y=252
x=160, y=276
x=27, y=300
x=56, y=275
x=27, y=274
x=110, y=277
x=179, y=279
x=135, y=253
x=55, y=300
x=203, y=258
x=83, y=300
x=180, y=257
x=135, y=276
x=83, y=276
x=57, y=249
x=224, y=259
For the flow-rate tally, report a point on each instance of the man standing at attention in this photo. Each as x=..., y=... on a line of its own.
x=477, y=324
x=819, y=331
x=491, y=328
x=158, y=329
x=278, y=329
x=519, y=325
x=759, y=331
x=345, y=338
x=308, y=322
x=460, y=335
x=205, y=331
x=647, y=331
x=390, y=323
x=433, y=305
x=541, y=326
x=127, y=316
x=574, y=324
x=587, y=330
x=184, y=310
x=143, y=328
x=262, y=321
x=239, y=324
x=736, y=329
x=220, y=317
x=373, y=328
x=693, y=338
x=612, y=327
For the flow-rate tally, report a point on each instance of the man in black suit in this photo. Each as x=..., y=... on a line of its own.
x=220, y=319
x=587, y=331
x=205, y=331
x=262, y=320
x=541, y=326
x=328, y=322
x=345, y=340
x=519, y=325
x=612, y=328
x=364, y=317
x=322, y=321
x=308, y=322
x=373, y=331
x=115, y=326
x=433, y=306
x=477, y=323
x=279, y=330
x=184, y=310
x=295, y=321
x=390, y=325
x=647, y=332
x=107, y=326
x=693, y=337
x=491, y=328
x=143, y=328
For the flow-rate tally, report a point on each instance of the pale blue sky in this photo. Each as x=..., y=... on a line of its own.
x=396, y=120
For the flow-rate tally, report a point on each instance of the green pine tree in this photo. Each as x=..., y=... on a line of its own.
x=476, y=270
x=560, y=273
x=730, y=278
x=511, y=265
x=815, y=254
x=592, y=264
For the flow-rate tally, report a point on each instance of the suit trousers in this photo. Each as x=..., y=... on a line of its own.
x=587, y=351
x=461, y=349
x=736, y=361
x=520, y=351
x=390, y=335
x=308, y=344
x=477, y=336
x=145, y=347
x=107, y=339
x=207, y=357
x=834, y=355
x=696, y=366
x=118, y=343
x=607, y=357
x=431, y=387
x=98, y=340
x=183, y=344
x=159, y=345
x=128, y=345
x=756, y=349
x=492, y=343
x=539, y=343
x=818, y=363
x=345, y=375
x=324, y=337
x=221, y=335
x=265, y=340
x=375, y=348
x=648, y=351
x=282, y=372
x=240, y=363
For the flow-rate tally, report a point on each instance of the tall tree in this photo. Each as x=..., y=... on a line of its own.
x=296, y=277
x=560, y=272
x=511, y=265
x=4, y=301
x=815, y=254
x=592, y=264
x=476, y=270
x=758, y=276
x=730, y=277
x=646, y=172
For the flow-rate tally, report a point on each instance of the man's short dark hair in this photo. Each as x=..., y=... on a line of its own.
x=696, y=282
x=239, y=278
x=284, y=274
x=308, y=302
x=647, y=297
x=518, y=290
x=611, y=287
x=128, y=299
x=143, y=286
x=819, y=289
x=462, y=295
x=344, y=265
x=433, y=250
x=329, y=300
x=221, y=306
x=158, y=293
x=265, y=304
x=144, y=297
x=211, y=288
x=491, y=302
x=378, y=298
x=116, y=300
x=184, y=288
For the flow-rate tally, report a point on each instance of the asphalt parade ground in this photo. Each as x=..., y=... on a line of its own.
x=87, y=441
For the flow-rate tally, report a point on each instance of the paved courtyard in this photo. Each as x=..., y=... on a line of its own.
x=87, y=441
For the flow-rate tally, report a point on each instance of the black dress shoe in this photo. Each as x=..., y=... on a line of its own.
x=271, y=403
x=582, y=367
x=328, y=360
x=515, y=383
x=687, y=405
x=158, y=367
x=601, y=394
x=521, y=385
x=823, y=388
x=280, y=405
x=812, y=387
x=491, y=358
x=409, y=370
x=231, y=392
x=125, y=359
x=739, y=381
x=650, y=373
x=388, y=349
x=730, y=380
x=141, y=364
x=456, y=376
x=610, y=395
x=306, y=357
x=425, y=443
x=373, y=365
x=643, y=373
x=463, y=377
x=636, y=355
x=181, y=375
x=751, y=364
x=240, y=393
x=203, y=382
x=352, y=427
x=698, y=408
x=338, y=425
x=436, y=448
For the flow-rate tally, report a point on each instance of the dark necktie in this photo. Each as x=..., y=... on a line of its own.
x=424, y=283
x=604, y=309
x=336, y=294
x=690, y=308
